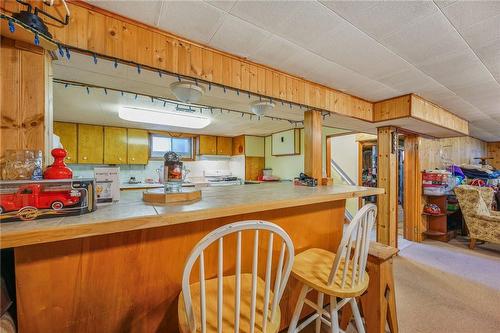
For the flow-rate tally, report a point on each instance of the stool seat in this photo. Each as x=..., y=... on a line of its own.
x=313, y=266
x=229, y=306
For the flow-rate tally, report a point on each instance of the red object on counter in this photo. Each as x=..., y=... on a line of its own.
x=34, y=196
x=58, y=169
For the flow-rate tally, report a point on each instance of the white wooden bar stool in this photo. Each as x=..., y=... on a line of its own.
x=341, y=275
x=243, y=301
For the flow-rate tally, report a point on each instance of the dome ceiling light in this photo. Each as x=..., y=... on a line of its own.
x=261, y=108
x=187, y=92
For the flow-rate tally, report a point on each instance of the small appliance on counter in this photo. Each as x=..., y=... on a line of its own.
x=25, y=200
x=305, y=180
x=174, y=173
x=107, y=184
x=267, y=176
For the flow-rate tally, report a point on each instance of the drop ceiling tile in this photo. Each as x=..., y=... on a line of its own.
x=408, y=81
x=457, y=70
x=268, y=15
x=195, y=20
x=380, y=19
x=483, y=33
x=238, y=37
x=490, y=56
x=428, y=39
x=464, y=14
x=277, y=51
x=143, y=11
x=225, y=5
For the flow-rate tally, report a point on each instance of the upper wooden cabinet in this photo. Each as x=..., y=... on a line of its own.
x=254, y=146
x=286, y=143
x=115, y=145
x=90, y=144
x=138, y=146
x=239, y=145
x=207, y=145
x=224, y=145
x=68, y=134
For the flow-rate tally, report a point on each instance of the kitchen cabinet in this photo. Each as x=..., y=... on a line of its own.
x=207, y=145
x=137, y=146
x=115, y=145
x=239, y=145
x=286, y=143
x=254, y=146
x=90, y=144
x=253, y=167
x=224, y=145
x=68, y=134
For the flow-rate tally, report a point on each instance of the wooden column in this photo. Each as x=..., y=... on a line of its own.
x=313, y=165
x=22, y=96
x=412, y=196
x=387, y=179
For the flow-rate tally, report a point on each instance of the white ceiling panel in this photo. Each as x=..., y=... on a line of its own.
x=428, y=39
x=238, y=37
x=144, y=11
x=195, y=20
x=225, y=5
x=372, y=15
x=465, y=14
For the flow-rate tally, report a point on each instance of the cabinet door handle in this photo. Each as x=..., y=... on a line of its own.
x=68, y=158
x=84, y=157
x=133, y=159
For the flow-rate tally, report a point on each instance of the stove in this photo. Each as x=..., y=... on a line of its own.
x=221, y=178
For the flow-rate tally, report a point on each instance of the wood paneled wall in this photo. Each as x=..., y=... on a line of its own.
x=109, y=34
x=494, y=151
x=416, y=107
x=398, y=107
x=22, y=96
x=459, y=150
x=432, y=113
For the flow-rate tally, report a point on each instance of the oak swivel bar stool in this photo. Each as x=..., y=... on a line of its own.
x=246, y=301
x=338, y=275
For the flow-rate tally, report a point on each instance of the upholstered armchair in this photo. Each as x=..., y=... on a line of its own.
x=482, y=222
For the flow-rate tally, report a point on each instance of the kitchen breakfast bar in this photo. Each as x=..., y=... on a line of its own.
x=119, y=269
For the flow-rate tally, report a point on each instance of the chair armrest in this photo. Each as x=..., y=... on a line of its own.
x=487, y=218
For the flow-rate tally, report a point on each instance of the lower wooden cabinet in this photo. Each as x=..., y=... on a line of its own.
x=115, y=145
x=138, y=146
x=68, y=134
x=224, y=145
x=90, y=144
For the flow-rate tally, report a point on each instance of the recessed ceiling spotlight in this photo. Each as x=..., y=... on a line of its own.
x=261, y=108
x=187, y=92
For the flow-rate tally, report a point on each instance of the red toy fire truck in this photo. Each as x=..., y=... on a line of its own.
x=34, y=196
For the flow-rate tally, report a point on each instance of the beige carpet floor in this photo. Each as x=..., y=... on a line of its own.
x=447, y=288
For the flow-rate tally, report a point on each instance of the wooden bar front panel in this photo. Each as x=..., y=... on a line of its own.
x=130, y=281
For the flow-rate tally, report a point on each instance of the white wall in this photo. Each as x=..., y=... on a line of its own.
x=345, y=154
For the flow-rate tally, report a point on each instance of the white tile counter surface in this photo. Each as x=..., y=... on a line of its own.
x=131, y=213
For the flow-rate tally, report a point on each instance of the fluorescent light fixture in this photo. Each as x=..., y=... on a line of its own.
x=161, y=117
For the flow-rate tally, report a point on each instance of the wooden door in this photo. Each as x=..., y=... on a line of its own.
x=207, y=145
x=224, y=145
x=67, y=133
x=137, y=146
x=90, y=144
x=115, y=145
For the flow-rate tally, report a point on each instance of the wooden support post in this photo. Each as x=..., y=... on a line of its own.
x=312, y=145
x=412, y=197
x=387, y=178
x=378, y=303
